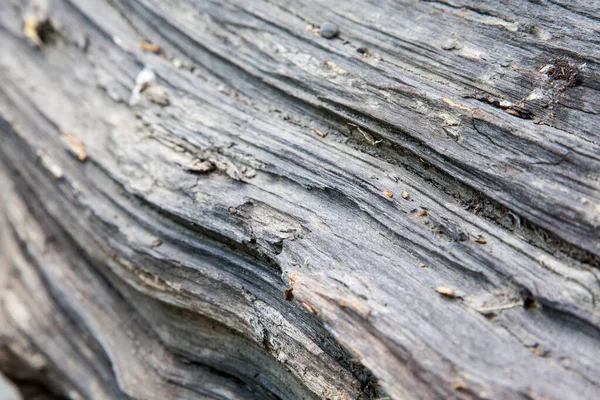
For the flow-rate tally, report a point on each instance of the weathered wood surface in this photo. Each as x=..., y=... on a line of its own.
x=151, y=232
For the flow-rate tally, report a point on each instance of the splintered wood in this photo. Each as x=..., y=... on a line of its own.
x=368, y=137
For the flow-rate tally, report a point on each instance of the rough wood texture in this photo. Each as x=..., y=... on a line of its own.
x=207, y=199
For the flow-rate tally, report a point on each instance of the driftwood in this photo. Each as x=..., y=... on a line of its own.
x=209, y=199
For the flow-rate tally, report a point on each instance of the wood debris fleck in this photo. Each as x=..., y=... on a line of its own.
x=50, y=164
x=388, y=193
x=150, y=47
x=310, y=308
x=30, y=30
x=143, y=80
x=312, y=29
x=445, y=291
x=76, y=146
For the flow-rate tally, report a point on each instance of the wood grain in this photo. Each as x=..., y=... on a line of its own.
x=210, y=200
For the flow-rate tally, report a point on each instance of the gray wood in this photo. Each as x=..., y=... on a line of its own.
x=212, y=200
